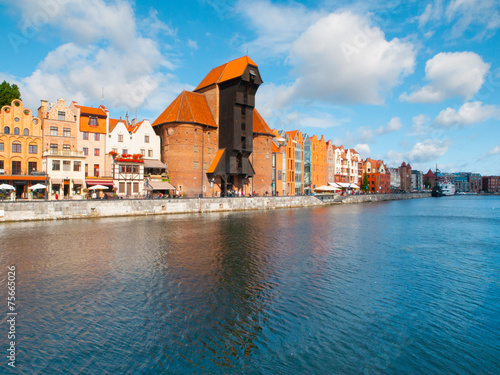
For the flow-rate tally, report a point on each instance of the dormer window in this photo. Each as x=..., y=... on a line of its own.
x=93, y=121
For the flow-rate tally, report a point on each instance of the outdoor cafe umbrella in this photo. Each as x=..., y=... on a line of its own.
x=37, y=186
x=7, y=187
x=98, y=187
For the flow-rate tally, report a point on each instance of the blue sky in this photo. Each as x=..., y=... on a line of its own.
x=414, y=81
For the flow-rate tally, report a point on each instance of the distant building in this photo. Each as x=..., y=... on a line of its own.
x=475, y=182
x=429, y=180
x=491, y=184
x=417, y=180
x=395, y=179
x=405, y=177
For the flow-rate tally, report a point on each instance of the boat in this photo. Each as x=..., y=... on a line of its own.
x=437, y=191
x=448, y=187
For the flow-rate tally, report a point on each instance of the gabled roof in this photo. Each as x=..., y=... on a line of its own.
x=134, y=128
x=275, y=148
x=91, y=111
x=188, y=107
x=113, y=122
x=226, y=72
x=259, y=125
x=292, y=133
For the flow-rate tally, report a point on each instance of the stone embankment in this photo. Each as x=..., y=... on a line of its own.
x=67, y=209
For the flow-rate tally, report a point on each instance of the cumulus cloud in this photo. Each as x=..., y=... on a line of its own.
x=363, y=149
x=106, y=53
x=342, y=58
x=420, y=124
x=494, y=151
x=468, y=114
x=365, y=134
x=426, y=151
x=457, y=74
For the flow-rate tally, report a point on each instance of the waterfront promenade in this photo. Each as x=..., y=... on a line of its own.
x=77, y=209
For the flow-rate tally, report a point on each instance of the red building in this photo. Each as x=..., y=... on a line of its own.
x=429, y=179
x=491, y=184
x=379, y=177
x=405, y=177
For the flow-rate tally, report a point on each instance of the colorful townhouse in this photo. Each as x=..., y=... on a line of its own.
x=63, y=162
x=294, y=151
x=207, y=136
x=379, y=177
x=93, y=125
x=20, y=148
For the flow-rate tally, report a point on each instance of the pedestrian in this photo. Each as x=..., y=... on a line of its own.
x=57, y=196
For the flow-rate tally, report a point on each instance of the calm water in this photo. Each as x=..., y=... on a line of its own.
x=406, y=287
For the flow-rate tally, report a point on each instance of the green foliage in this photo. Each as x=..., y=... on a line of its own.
x=365, y=184
x=8, y=93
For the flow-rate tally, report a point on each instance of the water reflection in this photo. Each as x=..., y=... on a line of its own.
x=347, y=289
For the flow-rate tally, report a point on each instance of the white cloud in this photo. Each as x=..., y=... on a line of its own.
x=276, y=26
x=468, y=114
x=426, y=151
x=107, y=51
x=479, y=18
x=365, y=134
x=420, y=124
x=342, y=58
x=192, y=44
x=458, y=74
x=363, y=149
x=494, y=151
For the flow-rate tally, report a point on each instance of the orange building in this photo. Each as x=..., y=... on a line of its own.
x=294, y=150
x=379, y=177
x=20, y=148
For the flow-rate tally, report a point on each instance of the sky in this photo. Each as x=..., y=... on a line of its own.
x=413, y=81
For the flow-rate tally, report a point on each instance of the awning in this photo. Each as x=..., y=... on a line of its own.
x=77, y=181
x=99, y=182
x=154, y=163
x=160, y=185
x=56, y=181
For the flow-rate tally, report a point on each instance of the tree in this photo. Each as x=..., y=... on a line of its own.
x=365, y=185
x=8, y=93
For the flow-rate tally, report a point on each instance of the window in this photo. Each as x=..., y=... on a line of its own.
x=122, y=169
x=92, y=121
x=124, y=151
x=97, y=137
x=146, y=139
x=97, y=151
x=196, y=164
x=53, y=130
x=67, y=132
x=150, y=153
x=86, y=170
x=129, y=169
x=16, y=147
x=86, y=151
x=26, y=131
x=61, y=115
x=6, y=130
x=195, y=148
x=136, y=188
x=77, y=166
x=32, y=149
x=143, y=152
x=56, y=165
x=53, y=146
x=1, y=146
x=16, y=131
x=115, y=150
x=85, y=135
x=96, y=170
x=121, y=187
x=135, y=169
x=16, y=167
x=1, y=164
x=32, y=166
x=67, y=147
x=209, y=152
x=120, y=137
x=66, y=165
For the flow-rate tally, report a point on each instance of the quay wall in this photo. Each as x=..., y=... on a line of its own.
x=68, y=209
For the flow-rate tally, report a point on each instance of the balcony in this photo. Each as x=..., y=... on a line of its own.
x=66, y=153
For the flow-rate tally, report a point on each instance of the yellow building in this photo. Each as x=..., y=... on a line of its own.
x=20, y=148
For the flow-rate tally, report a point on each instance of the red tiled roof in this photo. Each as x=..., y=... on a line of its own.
x=259, y=125
x=188, y=107
x=134, y=128
x=113, y=122
x=215, y=161
x=275, y=148
x=91, y=111
x=226, y=72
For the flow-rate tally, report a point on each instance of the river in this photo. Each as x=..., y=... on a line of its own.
x=401, y=287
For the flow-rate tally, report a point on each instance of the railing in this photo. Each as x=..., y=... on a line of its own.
x=21, y=173
x=63, y=153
